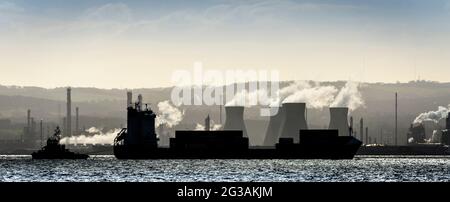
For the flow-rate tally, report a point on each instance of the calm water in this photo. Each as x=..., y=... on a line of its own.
x=107, y=168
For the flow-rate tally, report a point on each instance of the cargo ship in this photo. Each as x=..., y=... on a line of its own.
x=139, y=141
x=55, y=150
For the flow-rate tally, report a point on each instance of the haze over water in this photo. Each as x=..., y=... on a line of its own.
x=107, y=168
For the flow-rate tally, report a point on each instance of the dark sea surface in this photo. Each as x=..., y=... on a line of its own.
x=14, y=168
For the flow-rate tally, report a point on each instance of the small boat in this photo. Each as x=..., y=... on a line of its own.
x=55, y=150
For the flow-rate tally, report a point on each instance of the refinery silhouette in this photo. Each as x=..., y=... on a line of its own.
x=286, y=135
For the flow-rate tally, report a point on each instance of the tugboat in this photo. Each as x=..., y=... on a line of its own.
x=55, y=150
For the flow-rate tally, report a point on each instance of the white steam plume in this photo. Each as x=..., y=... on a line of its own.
x=349, y=96
x=213, y=126
x=311, y=93
x=315, y=97
x=94, y=130
x=436, y=137
x=245, y=98
x=168, y=115
x=97, y=137
x=435, y=116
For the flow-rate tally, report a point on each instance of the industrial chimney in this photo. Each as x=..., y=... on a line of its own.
x=351, y=126
x=339, y=121
x=293, y=121
x=273, y=129
x=234, y=119
x=139, y=108
x=367, y=135
x=77, y=129
x=69, y=113
x=207, y=123
x=361, y=129
x=447, y=122
x=28, y=121
x=129, y=99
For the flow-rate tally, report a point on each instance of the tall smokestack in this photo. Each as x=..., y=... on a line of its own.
x=33, y=127
x=351, y=126
x=293, y=121
x=28, y=121
x=207, y=123
x=77, y=129
x=273, y=129
x=64, y=125
x=139, y=102
x=338, y=120
x=129, y=99
x=396, y=118
x=69, y=113
x=447, y=122
x=41, y=130
x=361, y=129
x=234, y=119
x=367, y=135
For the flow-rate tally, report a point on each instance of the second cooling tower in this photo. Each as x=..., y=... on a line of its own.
x=235, y=119
x=273, y=129
x=293, y=121
x=339, y=120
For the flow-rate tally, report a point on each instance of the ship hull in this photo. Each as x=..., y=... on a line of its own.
x=405, y=150
x=331, y=152
x=59, y=156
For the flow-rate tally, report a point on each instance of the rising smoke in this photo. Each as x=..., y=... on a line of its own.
x=213, y=126
x=312, y=93
x=436, y=137
x=315, y=96
x=435, y=116
x=168, y=115
x=95, y=137
x=349, y=96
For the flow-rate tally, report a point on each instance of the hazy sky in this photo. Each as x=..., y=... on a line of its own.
x=128, y=44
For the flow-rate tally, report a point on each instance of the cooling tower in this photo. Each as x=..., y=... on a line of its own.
x=272, y=133
x=339, y=121
x=293, y=120
x=235, y=119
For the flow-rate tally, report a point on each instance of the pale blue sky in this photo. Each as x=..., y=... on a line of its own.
x=98, y=42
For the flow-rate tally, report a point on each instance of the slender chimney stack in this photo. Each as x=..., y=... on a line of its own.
x=64, y=125
x=129, y=99
x=447, y=122
x=77, y=129
x=396, y=118
x=207, y=123
x=41, y=131
x=33, y=128
x=351, y=126
x=361, y=129
x=367, y=135
x=69, y=113
x=28, y=121
x=139, y=102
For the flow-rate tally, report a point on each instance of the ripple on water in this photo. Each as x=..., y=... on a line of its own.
x=106, y=168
